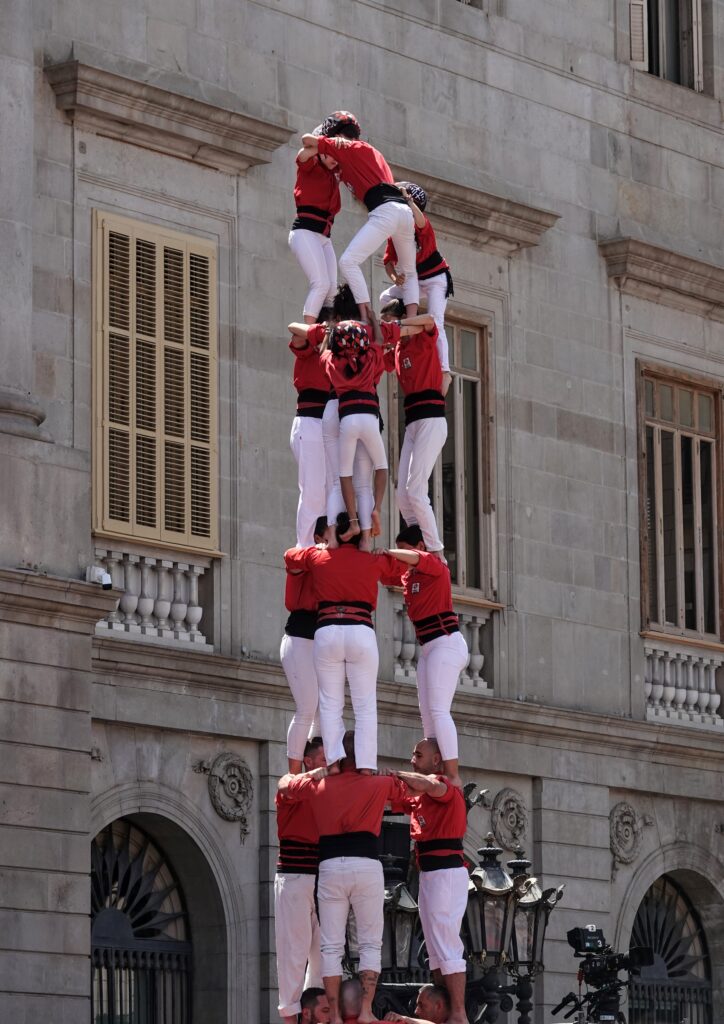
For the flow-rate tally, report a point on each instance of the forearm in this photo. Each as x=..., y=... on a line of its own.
x=418, y=783
x=299, y=331
x=403, y=555
x=310, y=142
x=421, y=320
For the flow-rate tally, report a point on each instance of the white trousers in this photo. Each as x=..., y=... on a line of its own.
x=361, y=472
x=365, y=428
x=438, y=669
x=316, y=257
x=296, y=931
x=307, y=444
x=421, y=445
x=442, y=900
x=433, y=291
x=297, y=658
x=349, y=651
x=391, y=220
x=354, y=883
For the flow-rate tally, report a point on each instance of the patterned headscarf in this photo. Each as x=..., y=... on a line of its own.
x=349, y=341
x=416, y=191
x=340, y=118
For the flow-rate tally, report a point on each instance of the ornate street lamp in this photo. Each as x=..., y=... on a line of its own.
x=532, y=909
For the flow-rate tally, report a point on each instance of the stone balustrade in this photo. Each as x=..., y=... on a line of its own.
x=473, y=620
x=680, y=684
x=160, y=601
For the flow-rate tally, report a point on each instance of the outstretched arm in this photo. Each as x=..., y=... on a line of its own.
x=311, y=143
x=417, y=213
x=403, y=555
x=305, y=153
x=429, y=784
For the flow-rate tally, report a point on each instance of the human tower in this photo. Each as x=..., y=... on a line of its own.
x=331, y=802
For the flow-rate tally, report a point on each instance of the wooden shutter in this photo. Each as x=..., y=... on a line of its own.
x=638, y=29
x=155, y=367
x=697, y=60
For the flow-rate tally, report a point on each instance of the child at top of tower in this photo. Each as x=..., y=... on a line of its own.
x=366, y=173
x=316, y=196
x=433, y=271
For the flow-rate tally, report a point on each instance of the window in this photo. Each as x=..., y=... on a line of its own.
x=666, y=40
x=680, y=591
x=459, y=486
x=677, y=986
x=155, y=373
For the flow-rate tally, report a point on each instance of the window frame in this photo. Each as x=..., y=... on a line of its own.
x=457, y=321
x=103, y=525
x=647, y=18
x=679, y=378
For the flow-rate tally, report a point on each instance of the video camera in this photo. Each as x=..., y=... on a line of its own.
x=599, y=969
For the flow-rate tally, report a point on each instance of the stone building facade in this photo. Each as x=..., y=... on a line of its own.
x=579, y=197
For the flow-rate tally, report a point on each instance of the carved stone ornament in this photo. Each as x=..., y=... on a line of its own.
x=231, y=788
x=509, y=818
x=626, y=830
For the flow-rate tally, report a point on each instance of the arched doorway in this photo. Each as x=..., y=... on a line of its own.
x=678, y=986
x=141, y=949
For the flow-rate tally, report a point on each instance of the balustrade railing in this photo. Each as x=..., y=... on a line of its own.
x=680, y=684
x=473, y=620
x=160, y=599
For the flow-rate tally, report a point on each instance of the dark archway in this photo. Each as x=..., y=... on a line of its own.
x=159, y=944
x=678, y=986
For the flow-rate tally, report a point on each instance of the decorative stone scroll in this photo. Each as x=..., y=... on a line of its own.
x=509, y=818
x=626, y=830
x=231, y=788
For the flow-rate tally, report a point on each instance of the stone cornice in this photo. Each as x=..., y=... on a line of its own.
x=478, y=218
x=262, y=684
x=53, y=601
x=144, y=114
x=667, y=277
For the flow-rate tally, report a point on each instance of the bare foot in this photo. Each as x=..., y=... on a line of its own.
x=330, y=535
x=366, y=543
x=366, y=771
x=352, y=531
x=333, y=768
x=376, y=523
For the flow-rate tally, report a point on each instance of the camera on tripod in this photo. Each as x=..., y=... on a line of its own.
x=599, y=970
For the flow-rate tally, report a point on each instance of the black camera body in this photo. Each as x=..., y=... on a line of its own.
x=599, y=969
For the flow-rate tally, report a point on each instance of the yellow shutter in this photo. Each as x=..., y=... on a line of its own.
x=155, y=372
x=638, y=28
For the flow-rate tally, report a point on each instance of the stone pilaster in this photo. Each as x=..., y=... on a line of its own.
x=19, y=411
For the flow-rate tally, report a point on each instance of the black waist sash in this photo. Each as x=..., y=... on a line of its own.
x=424, y=405
x=434, y=626
x=349, y=844
x=344, y=613
x=452, y=856
x=301, y=623
x=297, y=858
x=312, y=218
x=311, y=402
x=359, y=401
x=382, y=193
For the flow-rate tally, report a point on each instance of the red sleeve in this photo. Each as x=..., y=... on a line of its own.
x=427, y=565
x=329, y=147
x=299, y=788
x=305, y=351
x=390, y=332
x=398, y=791
x=315, y=334
x=404, y=805
x=390, y=360
x=298, y=558
x=306, y=166
x=390, y=255
x=391, y=570
x=449, y=793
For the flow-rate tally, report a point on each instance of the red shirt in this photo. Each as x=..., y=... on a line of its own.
x=428, y=594
x=372, y=365
x=361, y=166
x=426, y=247
x=299, y=593
x=416, y=362
x=298, y=837
x=317, y=187
x=341, y=574
x=436, y=818
x=308, y=370
x=348, y=802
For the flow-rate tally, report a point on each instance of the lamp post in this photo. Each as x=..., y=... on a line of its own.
x=530, y=919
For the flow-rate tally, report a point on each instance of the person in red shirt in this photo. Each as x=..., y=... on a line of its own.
x=347, y=809
x=417, y=365
x=433, y=272
x=426, y=585
x=295, y=915
x=307, y=436
x=367, y=174
x=297, y=657
x=350, y=1000
x=345, y=585
x=438, y=820
x=316, y=195
x=432, y=1007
